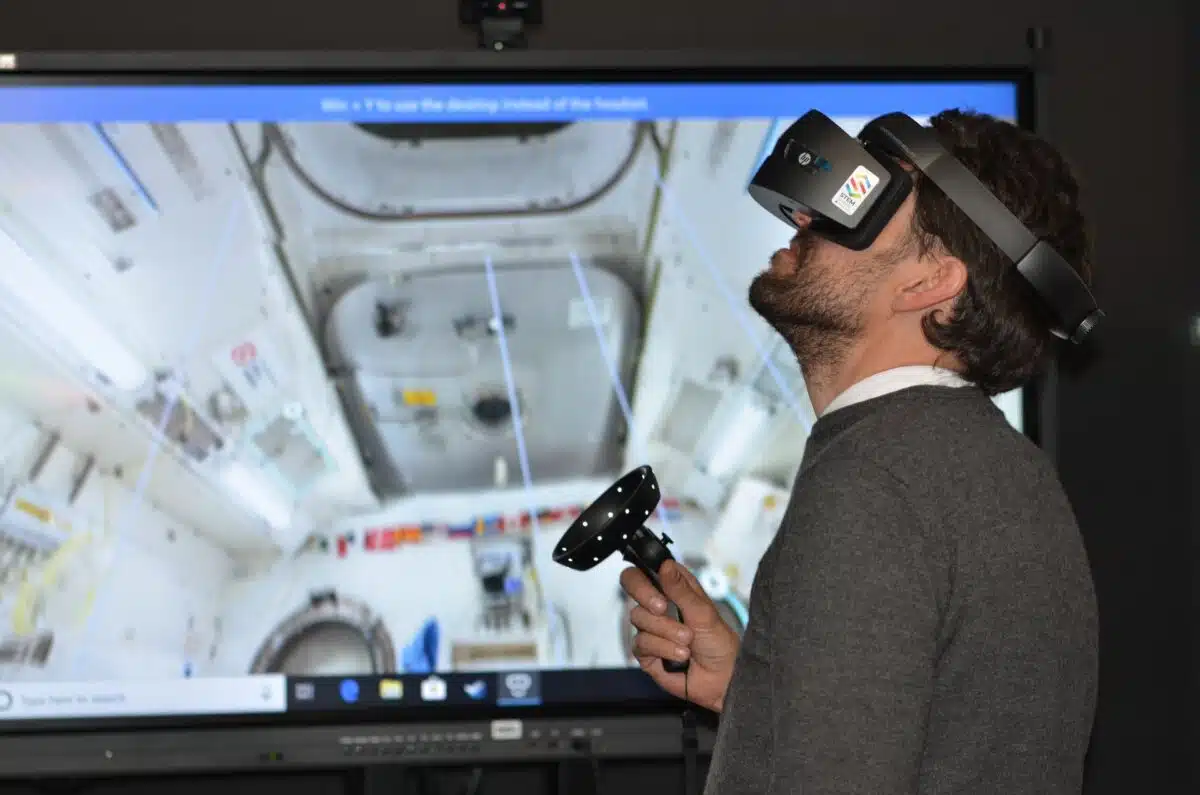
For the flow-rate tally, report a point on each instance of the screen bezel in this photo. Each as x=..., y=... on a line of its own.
x=113, y=69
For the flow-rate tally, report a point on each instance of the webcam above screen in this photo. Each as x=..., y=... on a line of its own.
x=501, y=23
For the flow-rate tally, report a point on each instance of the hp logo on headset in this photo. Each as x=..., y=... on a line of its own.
x=806, y=158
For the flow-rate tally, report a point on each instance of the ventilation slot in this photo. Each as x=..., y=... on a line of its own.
x=115, y=212
x=183, y=159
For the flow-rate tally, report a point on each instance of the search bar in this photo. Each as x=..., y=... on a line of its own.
x=201, y=696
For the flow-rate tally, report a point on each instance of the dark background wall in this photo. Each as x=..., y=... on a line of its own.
x=1117, y=108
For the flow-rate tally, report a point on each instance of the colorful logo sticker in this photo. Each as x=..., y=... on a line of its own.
x=855, y=190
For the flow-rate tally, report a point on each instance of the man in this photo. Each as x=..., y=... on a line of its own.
x=924, y=621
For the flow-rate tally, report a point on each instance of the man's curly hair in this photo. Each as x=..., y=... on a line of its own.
x=998, y=329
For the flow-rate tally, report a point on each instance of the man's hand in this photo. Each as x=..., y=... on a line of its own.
x=703, y=638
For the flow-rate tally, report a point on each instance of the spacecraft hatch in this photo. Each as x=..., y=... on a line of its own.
x=330, y=636
x=437, y=371
x=386, y=172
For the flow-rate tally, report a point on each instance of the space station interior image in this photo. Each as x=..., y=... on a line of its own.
x=317, y=399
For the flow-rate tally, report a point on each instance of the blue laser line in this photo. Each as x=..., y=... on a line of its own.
x=510, y=384
x=123, y=164
x=735, y=306
x=610, y=362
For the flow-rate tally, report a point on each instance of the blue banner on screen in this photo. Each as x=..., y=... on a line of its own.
x=492, y=103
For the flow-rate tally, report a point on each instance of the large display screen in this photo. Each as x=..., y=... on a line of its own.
x=300, y=383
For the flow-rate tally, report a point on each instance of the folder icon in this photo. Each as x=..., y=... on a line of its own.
x=391, y=689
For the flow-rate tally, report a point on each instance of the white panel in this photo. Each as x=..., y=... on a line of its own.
x=118, y=439
x=190, y=273
x=132, y=593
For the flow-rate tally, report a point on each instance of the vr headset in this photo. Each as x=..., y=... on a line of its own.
x=852, y=188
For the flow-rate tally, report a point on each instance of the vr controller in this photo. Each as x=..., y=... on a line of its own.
x=615, y=522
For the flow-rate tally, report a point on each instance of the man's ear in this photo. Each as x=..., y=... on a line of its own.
x=937, y=280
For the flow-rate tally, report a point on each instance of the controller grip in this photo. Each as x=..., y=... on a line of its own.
x=675, y=666
x=648, y=553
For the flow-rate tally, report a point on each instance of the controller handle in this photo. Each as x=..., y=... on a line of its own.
x=644, y=550
x=614, y=522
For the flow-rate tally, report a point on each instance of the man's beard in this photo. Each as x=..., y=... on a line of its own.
x=819, y=314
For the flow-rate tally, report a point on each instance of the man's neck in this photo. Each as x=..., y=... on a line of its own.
x=825, y=382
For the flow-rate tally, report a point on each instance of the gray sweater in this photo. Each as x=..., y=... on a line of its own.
x=923, y=623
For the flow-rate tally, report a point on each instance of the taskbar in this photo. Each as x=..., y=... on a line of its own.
x=274, y=693
x=512, y=688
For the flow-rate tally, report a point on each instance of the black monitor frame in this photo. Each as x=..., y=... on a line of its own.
x=176, y=744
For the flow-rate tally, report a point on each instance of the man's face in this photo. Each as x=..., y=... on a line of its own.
x=818, y=295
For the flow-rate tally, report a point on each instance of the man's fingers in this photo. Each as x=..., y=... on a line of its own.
x=647, y=645
x=679, y=586
x=639, y=588
x=662, y=626
x=688, y=577
x=682, y=588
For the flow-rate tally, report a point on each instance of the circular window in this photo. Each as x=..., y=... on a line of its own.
x=333, y=635
x=330, y=649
